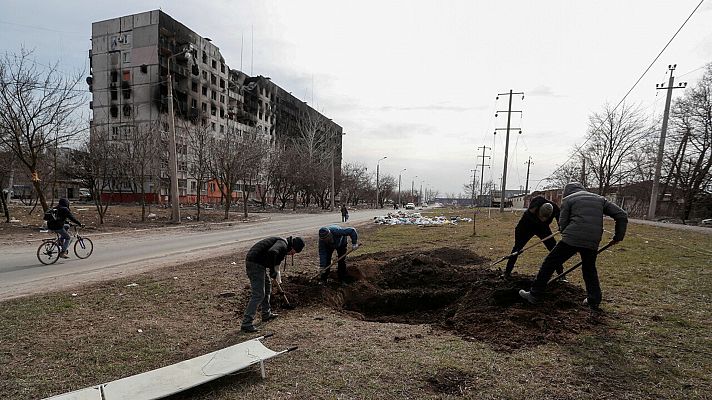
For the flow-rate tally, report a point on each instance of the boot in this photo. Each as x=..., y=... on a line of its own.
x=528, y=296
x=64, y=254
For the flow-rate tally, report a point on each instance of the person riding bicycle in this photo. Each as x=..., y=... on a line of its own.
x=58, y=224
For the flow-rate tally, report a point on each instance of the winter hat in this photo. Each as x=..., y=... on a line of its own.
x=324, y=233
x=546, y=210
x=297, y=244
x=63, y=202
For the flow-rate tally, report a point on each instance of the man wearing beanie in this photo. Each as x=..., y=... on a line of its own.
x=333, y=238
x=534, y=222
x=264, y=258
x=581, y=226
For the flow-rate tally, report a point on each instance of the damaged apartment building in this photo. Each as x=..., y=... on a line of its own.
x=129, y=60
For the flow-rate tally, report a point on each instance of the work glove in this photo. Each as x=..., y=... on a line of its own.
x=354, y=246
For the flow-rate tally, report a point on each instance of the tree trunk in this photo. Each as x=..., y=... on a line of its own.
x=40, y=194
x=4, y=207
x=197, y=201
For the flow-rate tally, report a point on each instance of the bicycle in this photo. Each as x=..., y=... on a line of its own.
x=49, y=250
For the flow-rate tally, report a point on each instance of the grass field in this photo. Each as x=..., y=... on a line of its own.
x=656, y=343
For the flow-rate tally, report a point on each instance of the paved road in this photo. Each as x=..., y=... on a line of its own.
x=130, y=253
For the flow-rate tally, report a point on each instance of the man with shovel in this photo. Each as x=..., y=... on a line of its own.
x=266, y=255
x=534, y=222
x=581, y=226
x=333, y=238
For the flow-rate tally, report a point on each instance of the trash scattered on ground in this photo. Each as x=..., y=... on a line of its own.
x=152, y=216
x=233, y=263
x=406, y=218
x=140, y=330
x=132, y=284
x=74, y=295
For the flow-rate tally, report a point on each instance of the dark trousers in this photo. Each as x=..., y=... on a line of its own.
x=522, y=234
x=341, y=271
x=557, y=257
x=260, y=291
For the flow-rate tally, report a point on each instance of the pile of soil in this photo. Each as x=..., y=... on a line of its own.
x=453, y=289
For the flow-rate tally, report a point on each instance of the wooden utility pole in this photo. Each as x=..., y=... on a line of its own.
x=482, y=171
x=509, y=112
x=529, y=163
x=474, y=179
x=661, y=146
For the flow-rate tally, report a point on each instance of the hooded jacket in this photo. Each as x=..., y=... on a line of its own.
x=581, y=220
x=63, y=213
x=340, y=241
x=269, y=253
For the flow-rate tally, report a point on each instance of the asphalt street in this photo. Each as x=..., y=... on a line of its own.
x=127, y=253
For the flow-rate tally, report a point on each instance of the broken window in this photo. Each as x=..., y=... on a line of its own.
x=214, y=64
x=127, y=110
x=114, y=110
x=222, y=67
x=205, y=91
x=194, y=86
x=222, y=83
x=126, y=57
x=144, y=68
x=213, y=79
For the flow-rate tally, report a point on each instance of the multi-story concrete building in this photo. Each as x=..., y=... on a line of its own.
x=129, y=62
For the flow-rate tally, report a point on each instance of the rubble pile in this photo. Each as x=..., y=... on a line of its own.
x=415, y=218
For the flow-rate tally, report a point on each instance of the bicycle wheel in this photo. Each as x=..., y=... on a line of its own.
x=83, y=247
x=48, y=252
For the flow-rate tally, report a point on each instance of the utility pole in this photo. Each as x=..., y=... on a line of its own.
x=663, y=132
x=506, y=145
x=529, y=163
x=583, y=170
x=482, y=171
x=474, y=177
x=377, y=188
x=173, y=156
x=399, y=186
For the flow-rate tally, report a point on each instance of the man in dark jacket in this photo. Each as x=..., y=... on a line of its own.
x=58, y=224
x=581, y=226
x=333, y=238
x=264, y=256
x=534, y=221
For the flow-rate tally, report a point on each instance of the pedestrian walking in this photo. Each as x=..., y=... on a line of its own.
x=344, y=213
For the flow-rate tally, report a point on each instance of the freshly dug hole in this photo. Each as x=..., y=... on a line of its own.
x=469, y=299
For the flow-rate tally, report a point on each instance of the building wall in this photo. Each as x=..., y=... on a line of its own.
x=129, y=67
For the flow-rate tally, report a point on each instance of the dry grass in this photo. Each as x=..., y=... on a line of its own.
x=657, y=295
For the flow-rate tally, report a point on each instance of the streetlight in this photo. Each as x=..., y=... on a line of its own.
x=378, y=205
x=399, y=185
x=173, y=157
x=333, y=186
x=412, y=186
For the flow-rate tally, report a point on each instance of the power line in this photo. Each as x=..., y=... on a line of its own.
x=634, y=85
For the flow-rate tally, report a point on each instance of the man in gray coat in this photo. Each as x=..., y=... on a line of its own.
x=581, y=226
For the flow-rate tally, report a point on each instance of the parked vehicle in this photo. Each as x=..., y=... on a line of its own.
x=84, y=194
x=410, y=206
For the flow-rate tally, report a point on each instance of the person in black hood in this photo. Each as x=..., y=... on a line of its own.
x=534, y=222
x=264, y=256
x=57, y=224
x=581, y=226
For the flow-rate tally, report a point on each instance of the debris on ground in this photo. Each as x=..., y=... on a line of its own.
x=415, y=218
x=453, y=289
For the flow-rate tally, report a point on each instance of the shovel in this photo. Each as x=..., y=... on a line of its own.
x=516, y=253
x=280, y=291
x=338, y=259
x=561, y=276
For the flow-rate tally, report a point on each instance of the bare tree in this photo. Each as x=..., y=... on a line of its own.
x=355, y=182
x=386, y=185
x=38, y=109
x=253, y=152
x=6, y=158
x=612, y=138
x=95, y=166
x=199, y=163
x=136, y=156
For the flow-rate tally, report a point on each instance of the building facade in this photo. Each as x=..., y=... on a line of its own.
x=130, y=58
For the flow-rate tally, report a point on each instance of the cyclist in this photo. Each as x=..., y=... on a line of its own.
x=59, y=225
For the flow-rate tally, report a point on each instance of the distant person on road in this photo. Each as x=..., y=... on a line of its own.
x=581, y=226
x=262, y=264
x=333, y=238
x=58, y=224
x=534, y=222
x=344, y=213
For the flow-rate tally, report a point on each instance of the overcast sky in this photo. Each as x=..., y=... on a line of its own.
x=416, y=81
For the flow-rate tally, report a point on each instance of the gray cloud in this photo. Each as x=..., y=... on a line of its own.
x=543, y=91
x=431, y=107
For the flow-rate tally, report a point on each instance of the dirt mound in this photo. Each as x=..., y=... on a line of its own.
x=469, y=299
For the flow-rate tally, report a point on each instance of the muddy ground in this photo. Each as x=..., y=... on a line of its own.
x=451, y=289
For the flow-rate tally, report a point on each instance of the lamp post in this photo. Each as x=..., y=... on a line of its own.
x=333, y=185
x=412, y=186
x=420, y=197
x=399, y=186
x=173, y=157
x=378, y=205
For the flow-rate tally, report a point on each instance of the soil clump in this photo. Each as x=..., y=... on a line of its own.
x=451, y=288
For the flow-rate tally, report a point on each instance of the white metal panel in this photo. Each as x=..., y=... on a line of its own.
x=91, y=393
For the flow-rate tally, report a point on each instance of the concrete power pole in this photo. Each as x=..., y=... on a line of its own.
x=482, y=171
x=509, y=112
x=659, y=159
x=529, y=163
x=474, y=180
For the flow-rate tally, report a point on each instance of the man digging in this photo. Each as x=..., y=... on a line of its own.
x=535, y=221
x=333, y=238
x=581, y=226
x=267, y=254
